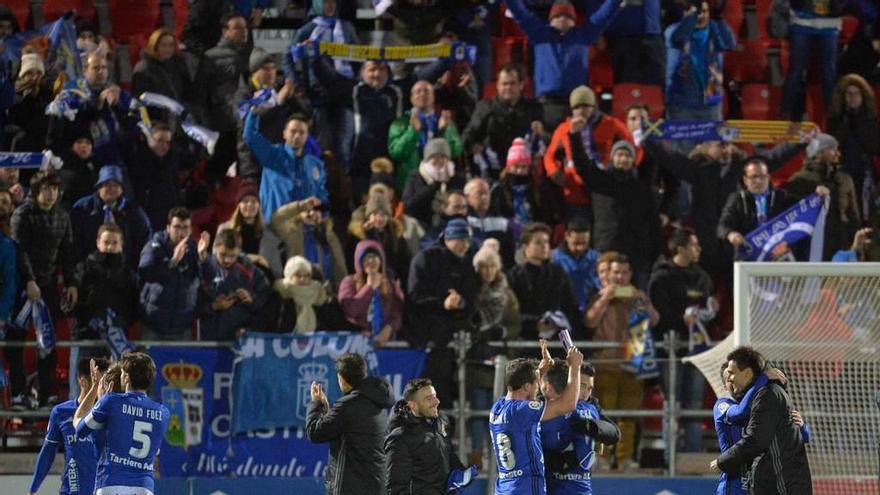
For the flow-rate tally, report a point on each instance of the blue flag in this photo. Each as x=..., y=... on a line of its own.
x=806, y=218
x=63, y=55
x=273, y=375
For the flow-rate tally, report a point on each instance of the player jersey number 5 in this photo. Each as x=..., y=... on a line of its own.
x=140, y=435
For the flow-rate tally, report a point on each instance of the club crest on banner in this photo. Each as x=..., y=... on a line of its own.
x=184, y=399
x=308, y=373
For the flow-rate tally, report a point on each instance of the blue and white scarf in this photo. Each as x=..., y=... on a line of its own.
x=37, y=312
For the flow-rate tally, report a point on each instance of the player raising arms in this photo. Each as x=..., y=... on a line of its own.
x=569, y=441
x=135, y=427
x=80, y=454
x=514, y=421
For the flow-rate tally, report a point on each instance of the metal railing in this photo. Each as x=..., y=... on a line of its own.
x=461, y=410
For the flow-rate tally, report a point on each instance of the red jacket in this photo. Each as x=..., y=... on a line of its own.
x=606, y=131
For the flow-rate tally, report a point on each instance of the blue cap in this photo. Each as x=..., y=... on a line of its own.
x=108, y=173
x=457, y=228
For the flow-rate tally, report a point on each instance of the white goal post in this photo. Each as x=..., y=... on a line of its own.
x=820, y=323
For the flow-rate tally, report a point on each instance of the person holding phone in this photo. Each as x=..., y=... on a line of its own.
x=607, y=316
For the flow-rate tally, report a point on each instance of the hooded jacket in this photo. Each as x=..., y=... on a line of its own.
x=356, y=301
x=773, y=445
x=419, y=453
x=87, y=215
x=355, y=428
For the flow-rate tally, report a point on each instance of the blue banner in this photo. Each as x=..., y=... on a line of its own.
x=196, y=386
x=63, y=56
x=785, y=229
x=268, y=360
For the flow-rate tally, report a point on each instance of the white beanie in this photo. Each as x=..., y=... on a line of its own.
x=296, y=264
x=29, y=62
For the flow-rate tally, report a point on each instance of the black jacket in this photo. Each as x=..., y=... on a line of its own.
x=419, y=197
x=741, y=215
x=156, y=183
x=45, y=243
x=355, y=427
x=432, y=273
x=626, y=217
x=773, y=445
x=87, y=215
x=543, y=288
x=711, y=184
x=672, y=290
x=105, y=281
x=419, y=454
x=496, y=124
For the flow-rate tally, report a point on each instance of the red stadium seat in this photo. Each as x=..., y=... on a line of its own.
x=747, y=63
x=601, y=71
x=761, y=101
x=129, y=17
x=848, y=28
x=20, y=9
x=734, y=15
x=762, y=12
x=509, y=27
x=136, y=44
x=181, y=9
x=509, y=50
x=627, y=94
x=53, y=9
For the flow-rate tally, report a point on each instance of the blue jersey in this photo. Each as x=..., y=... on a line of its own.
x=515, y=426
x=728, y=435
x=80, y=454
x=569, y=455
x=135, y=426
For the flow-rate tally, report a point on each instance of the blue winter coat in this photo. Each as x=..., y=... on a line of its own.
x=169, y=295
x=561, y=59
x=87, y=215
x=286, y=177
x=581, y=272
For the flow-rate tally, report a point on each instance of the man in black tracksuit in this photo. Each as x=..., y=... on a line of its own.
x=355, y=428
x=771, y=443
x=419, y=455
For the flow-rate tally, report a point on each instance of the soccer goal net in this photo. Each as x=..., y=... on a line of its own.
x=820, y=323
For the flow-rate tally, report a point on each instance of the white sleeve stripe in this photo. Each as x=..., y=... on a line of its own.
x=91, y=423
x=50, y=440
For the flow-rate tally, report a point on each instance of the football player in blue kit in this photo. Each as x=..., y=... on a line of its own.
x=514, y=422
x=80, y=454
x=732, y=416
x=135, y=427
x=569, y=441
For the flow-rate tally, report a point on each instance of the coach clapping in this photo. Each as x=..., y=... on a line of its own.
x=354, y=426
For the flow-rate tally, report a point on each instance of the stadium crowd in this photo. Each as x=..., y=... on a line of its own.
x=413, y=201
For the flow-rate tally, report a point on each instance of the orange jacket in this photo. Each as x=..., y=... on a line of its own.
x=606, y=131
